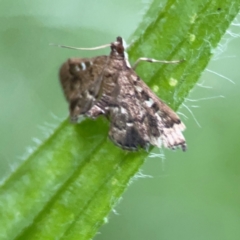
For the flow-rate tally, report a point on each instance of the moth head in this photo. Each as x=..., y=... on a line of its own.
x=117, y=47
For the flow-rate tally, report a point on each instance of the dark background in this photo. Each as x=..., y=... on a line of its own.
x=188, y=196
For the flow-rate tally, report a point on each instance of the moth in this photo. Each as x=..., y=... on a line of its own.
x=108, y=85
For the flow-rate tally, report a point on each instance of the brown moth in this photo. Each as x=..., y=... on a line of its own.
x=107, y=85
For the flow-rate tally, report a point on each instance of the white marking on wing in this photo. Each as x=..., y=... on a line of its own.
x=123, y=110
x=77, y=68
x=83, y=66
x=149, y=102
x=139, y=89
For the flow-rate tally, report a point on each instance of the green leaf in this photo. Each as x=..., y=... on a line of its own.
x=68, y=186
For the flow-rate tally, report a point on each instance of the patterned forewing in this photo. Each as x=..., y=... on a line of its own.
x=81, y=80
x=129, y=126
x=165, y=127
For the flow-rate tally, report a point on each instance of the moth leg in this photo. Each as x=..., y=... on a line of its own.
x=101, y=107
x=95, y=111
x=152, y=60
x=107, y=99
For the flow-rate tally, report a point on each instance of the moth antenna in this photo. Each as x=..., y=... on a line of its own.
x=76, y=48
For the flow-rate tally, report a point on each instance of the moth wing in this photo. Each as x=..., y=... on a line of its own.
x=119, y=104
x=165, y=126
x=81, y=80
x=129, y=126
